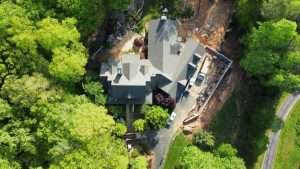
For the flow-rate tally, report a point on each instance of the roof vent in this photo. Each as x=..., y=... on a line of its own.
x=176, y=48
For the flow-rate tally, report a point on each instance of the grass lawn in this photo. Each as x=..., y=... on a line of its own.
x=260, y=158
x=281, y=99
x=288, y=152
x=259, y=161
x=175, y=151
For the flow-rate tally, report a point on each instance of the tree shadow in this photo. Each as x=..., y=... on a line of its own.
x=277, y=124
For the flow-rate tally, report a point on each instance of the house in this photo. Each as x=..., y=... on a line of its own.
x=170, y=65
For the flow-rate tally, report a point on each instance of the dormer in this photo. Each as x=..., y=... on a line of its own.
x=191, y=70
x=196, y=58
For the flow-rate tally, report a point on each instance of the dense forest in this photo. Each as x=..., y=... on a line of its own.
x=272, y=42
x=269, y=36
x=52, y=109
x=52, y=112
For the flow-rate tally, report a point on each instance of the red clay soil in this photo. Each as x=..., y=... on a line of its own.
x=209, y=26
x=210, y=22
x=231, y=48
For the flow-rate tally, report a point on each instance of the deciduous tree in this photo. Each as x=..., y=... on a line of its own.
x=95, y=91
x=5, y=164
x=27, y=90
x=139, y=125
x=139, y=162
x=226, y=150
x=193, y=158
x=248, y=13
x=271, y=54
x=100, y=152
x=5, y=110
x=278, y=9
x=68, y=65
x=18, y=45
x=52, y=34
x=157, y=117
x=204, y=140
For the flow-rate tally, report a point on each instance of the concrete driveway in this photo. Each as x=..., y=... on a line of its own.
x=164, y=136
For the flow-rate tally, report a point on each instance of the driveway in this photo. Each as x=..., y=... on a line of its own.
x=274, y=138
x=164, y=136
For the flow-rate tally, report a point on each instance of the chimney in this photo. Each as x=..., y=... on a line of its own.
x=164, y=15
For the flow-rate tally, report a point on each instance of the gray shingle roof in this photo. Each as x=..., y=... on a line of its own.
x=161, y=35
x=168, y=66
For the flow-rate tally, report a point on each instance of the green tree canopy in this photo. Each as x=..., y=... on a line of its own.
x=271, y=54
x=95, y=91
x=139, y=125
x=278, y=9
x=30, y=46
x=52, y=34
x=61, y=45
x=102, y=152
x=204, y=140
x=139, y=162
x=248, y=13
x=119, y=130
x=193, y=158
x=66, y=132
x=18, y=45
x=5, y=164
x=27, y=90
x=5, y=110
x=68, y=65
x=42, y=124
x=118, y=4
x=156, y=116
x=226, y=150
x=89, y=13
x=46, y=125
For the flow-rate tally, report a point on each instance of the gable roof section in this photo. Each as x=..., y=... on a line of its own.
x=161, y=36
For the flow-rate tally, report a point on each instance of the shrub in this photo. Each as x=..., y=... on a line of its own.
x=204, y=140
x=139, y=125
